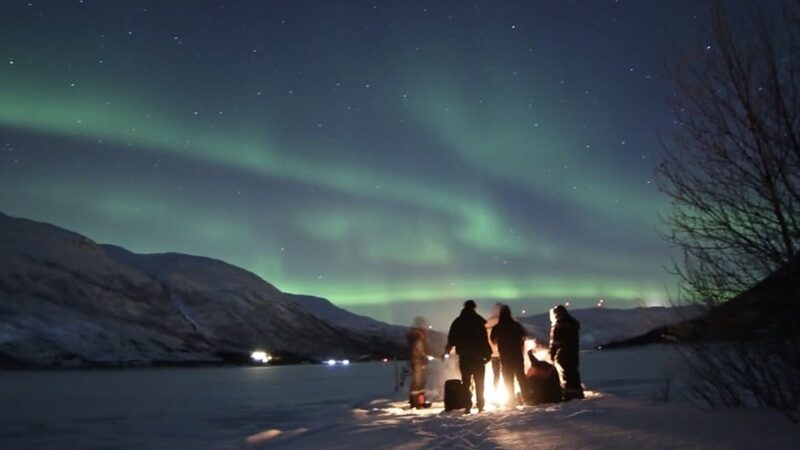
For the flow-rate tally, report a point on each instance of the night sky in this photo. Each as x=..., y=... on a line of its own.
x=391, y=156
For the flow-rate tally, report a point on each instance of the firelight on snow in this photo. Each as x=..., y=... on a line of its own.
x=497, y=398
x=260, y=357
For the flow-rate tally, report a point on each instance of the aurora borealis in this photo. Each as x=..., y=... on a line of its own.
x=380, y=154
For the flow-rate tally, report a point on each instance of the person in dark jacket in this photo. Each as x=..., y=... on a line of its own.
x=418, y=360
x=509, y=336
x=564, y=339
x=468, y=336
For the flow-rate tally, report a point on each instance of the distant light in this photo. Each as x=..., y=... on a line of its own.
x=430, y=358
x=566, y=303
x=261, y=357
x=447, y=356
x=385, y=359
x=524, y=311
x=430, y=327
x=345, y=362
x=331, y=362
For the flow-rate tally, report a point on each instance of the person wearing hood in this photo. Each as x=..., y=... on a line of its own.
x=468, y=336
x=564, y=347
x=509, y=336
x=490, y=323
x=418, y=360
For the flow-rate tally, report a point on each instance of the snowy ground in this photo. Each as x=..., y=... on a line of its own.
x=307, y=407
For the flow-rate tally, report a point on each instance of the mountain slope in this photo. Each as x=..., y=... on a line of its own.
x=770, y=309
x=65, y=300
x=363, y=325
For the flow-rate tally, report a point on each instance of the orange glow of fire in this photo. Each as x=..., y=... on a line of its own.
x=498, y=398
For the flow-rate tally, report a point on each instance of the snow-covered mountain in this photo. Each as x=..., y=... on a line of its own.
x=65, y=300
x=363, y=325
x=600, y=326
x=324, y=309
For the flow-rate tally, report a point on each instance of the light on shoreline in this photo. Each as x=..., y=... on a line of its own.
x=260, y=357
x=333, y=362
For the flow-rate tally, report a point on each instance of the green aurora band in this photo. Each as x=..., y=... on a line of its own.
x=434, y=186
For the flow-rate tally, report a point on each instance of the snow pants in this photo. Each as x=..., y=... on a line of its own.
x=417, y=378
x=568, y=366
x=514, y=368
x=473, y=369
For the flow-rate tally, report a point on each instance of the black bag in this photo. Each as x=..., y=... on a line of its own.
x=456, y=395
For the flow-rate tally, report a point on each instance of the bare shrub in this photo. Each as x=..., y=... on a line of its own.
x=732, y=173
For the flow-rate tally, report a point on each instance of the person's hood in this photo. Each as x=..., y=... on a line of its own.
x=568, y=320
x=417, y=332
x=471, y=314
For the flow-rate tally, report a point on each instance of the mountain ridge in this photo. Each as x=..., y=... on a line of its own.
x=67, y=301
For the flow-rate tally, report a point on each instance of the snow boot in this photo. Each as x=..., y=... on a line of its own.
x=573, y=394
x=418, y=401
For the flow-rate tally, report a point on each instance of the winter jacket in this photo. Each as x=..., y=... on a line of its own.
x=510, y=338
x=564, y=338
x=468, y=335
x=418, y=346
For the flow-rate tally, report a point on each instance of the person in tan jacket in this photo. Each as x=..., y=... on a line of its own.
x=418, y=360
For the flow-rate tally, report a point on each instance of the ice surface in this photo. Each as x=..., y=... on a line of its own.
x=347, y=407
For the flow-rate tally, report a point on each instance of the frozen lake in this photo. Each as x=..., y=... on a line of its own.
x=174, y=408
x=220, y=407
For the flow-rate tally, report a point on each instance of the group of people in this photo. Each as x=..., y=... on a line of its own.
x=501, y=342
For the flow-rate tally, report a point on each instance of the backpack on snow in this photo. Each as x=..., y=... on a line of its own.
x=456, y=395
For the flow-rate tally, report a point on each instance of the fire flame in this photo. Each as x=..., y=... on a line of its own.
x=497, y=398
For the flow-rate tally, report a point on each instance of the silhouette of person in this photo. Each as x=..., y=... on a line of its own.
x=468, y=336
x=418, y=360
x=564, y=347
x=509, y=336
